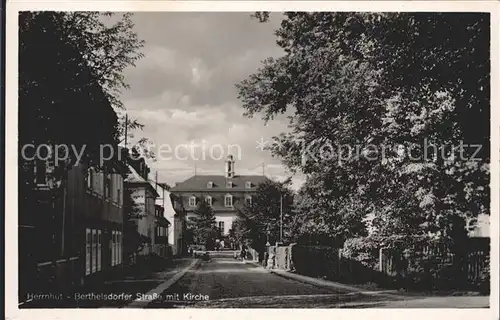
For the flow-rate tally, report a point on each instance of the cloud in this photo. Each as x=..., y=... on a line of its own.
x=184, y=92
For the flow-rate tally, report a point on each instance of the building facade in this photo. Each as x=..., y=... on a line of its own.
x=70, y=214
x=100, y=212
x=225, y=193
x=177, y=236
x=144, y=195
x=76, y=236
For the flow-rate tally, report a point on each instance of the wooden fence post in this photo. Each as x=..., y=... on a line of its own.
x=381, y=260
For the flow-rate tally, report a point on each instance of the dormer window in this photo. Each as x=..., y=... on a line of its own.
x=228, y=200
x=229, y=184
x=208, y=200
x=210, y=184
x=248, y=184
x=192, y=201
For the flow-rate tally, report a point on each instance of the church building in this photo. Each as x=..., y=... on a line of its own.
x=225, y=193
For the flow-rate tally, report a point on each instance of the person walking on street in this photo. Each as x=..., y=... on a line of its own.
x=243, y=253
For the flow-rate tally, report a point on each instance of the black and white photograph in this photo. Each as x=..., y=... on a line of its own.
x=256, y=159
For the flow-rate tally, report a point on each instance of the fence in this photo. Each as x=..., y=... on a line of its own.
x=435, y=264
x=431, y=266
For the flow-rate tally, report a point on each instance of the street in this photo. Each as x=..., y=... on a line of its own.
x=297, y=159
x=230, y=283
x=224, y=282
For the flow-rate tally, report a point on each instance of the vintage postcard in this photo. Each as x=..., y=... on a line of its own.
x=307, y=157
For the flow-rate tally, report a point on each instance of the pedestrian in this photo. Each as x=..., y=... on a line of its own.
x=243, y=253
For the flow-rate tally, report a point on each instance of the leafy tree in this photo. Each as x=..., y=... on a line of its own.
x=260, y=221
x=133, y=241
x=189, y=236
x=204, y=226
x=70, y=79
x=59, y=100
x=354, y=81
x=71, y=66
x=313, y=222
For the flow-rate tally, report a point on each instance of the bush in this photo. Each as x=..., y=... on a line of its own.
x=484, y=278
x=413, y=267
x=364, y=250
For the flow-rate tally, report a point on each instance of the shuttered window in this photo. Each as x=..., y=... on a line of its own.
x=113, y=248
x=99, y=250
x=88, y=251
x=94, y=250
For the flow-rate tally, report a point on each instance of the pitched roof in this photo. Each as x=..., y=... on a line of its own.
x=134, y=178
x=200, y=183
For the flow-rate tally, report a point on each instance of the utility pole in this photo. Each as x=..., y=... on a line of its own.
x=263, y=169
x=281, y=218
x=156, y=179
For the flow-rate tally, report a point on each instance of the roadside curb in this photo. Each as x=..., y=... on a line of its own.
x=315, y=281
x=324, y=283
x=334, y=285
x=162, y=287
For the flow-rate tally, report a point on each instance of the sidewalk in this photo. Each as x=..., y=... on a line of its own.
x=393, y=298
x=155, y=293
x=116, y=293
x=318, y=281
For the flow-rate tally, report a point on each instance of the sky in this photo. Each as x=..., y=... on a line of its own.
x=184, y=92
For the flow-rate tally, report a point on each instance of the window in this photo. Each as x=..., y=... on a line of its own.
x=120, y=247
x=43, y=165
x=99, y=250
x=88, y=251
x=113, y=248
x=41, y=171
x=118, y=197
x=208, y=200
x=229, y=184
x=90, y=178
x=107, y=185
x=248, y=184
x=228, y=200
x=146, y=203
x=210, y=185
x=94, y=250
x=192, y=201
x=221, y=226
x=248, y=200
